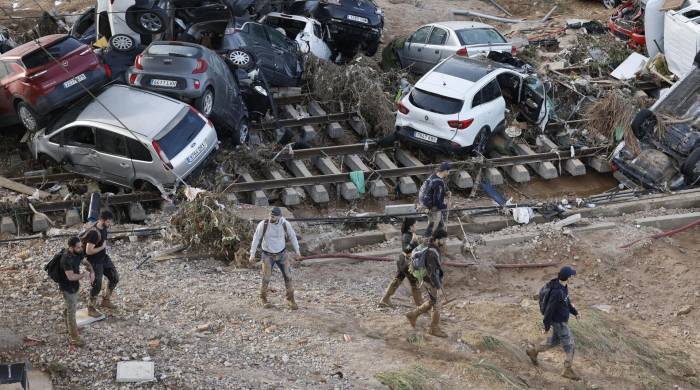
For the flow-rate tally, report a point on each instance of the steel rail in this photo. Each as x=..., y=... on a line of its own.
x=293, y=99
x=309, y=120
x=48, y=178
x=47, y=207
x=416, y=170
x=339, y=150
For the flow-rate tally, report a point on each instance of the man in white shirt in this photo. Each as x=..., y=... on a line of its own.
x=273, y=234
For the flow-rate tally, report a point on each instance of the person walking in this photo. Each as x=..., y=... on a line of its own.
x=272, y=235
x=556, y=307
x=409, y=241
x=96, y=251
x=432, y=197
x=433, y=283
x=70, y=262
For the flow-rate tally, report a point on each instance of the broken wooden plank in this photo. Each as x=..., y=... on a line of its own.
x=21, y=188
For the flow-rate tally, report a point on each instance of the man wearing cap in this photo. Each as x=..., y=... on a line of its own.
x=435, y=199
x=272, y=234
x=556, y=316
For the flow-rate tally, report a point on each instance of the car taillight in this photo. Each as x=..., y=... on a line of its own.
x=163, y=157
x=137, y=62
x=462, y=52
x=132, y=79
x=513, y=51
x=197, y=84
x=201, y=66
x=403, y=109
x=108, y=71
x=460, y=125
x=204, y=118
x=231, y=30
x=613, y=167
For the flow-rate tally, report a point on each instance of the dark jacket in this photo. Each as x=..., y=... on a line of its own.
x=438, y=189
x=558, y=305
x=433, y=264
x=70, y=262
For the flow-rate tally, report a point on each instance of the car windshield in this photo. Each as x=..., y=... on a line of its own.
x=277, y=38
x=292, y=27
x=173, y=50
x=464, y=69
x=181, y=135
x=55, y=51
x=476, y=36
x=435, y=103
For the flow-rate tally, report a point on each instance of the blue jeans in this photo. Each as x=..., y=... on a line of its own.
x=561, y=334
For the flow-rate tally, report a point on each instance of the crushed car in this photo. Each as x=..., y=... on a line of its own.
x=434, y=42
x=350, y=25
x=307, y=32
x=457, y=106
x=669, y=137
x=627, y=23
x=128, y=145
x=42, y=76
x=197, y=75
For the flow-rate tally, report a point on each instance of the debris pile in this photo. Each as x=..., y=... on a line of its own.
x=610, y=117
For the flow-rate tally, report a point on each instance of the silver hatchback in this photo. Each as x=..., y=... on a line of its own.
x=145, y=139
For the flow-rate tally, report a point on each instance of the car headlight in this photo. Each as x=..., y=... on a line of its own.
x=260, y=90
x=379, y=11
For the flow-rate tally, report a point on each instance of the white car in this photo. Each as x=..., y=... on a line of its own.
x=307, y=32
x=458, y=105
x=124, y=22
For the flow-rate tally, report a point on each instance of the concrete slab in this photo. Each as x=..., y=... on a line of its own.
x=8, y=226
x=546, y=169
x=377, y=188
x=570, y=220
x=231, y=197
x=318, y=193
x=348, y=190
x=462, y=180
x=290, y=196
x=82, y=318
x=395, y=209
x=599, y=164
x=40, y=223
x=257, y=198
x=494, y=176
x=286, y=91
x=574, y=166
x=309, y=132
x=135, y=371
x=334, y=129
x=518, y=173
x=137, y=212
x=668, y=222
x=358, y=126
x=73, y=218
x=406, y=185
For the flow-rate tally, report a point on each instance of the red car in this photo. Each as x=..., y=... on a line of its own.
x=41, y=76
x=627, y=23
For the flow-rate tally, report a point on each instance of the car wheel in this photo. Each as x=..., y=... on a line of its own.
x=149, y=21
x=205, y=103
x=47, y=162
x=243, y=134
x=481, y=141
x=643, y=123
x=29, y=118
x=242, y=59
x=689, y=166
x=372, y=48
x=121, y=43
x=610, y=4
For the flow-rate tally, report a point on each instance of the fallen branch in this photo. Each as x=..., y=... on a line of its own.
x=448, y=263
x=500, y=19
x=21, y=188
x=664, y=234
x=500, y=7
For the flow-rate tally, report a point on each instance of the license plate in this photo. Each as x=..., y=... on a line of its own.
x=74, y=80
x=192, y=157
x=425, y=137
x=164, y=83
x=358, y=19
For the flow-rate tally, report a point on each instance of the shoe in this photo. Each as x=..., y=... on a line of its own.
x=107, y=303
x=77, y=342
x=292, y=305
x=384, y=303
x=532, y=354
x=437, y=332
x=570, y=373
x=412, y=318
x=435, y=325
x=92, y=308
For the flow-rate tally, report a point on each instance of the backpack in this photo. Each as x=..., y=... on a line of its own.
x=53, y=268
x=267, y=222
x=417, y=266
x=544, y=297
x=425, y=194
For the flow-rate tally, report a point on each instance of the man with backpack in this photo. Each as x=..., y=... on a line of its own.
x=426, y=267
x=272, y=234
x=68, y=278
x=432, y=197
x=95, y=241
x=556, y=306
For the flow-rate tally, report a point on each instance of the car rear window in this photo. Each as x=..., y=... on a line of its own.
x=56, y=50
x=173, y=50
x=463, y=68
x=475, y=36
x=435, y=103
x=182, y=134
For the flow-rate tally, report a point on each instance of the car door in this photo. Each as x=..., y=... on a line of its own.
x=412, y=52
x=113, y=157
x=6, y=109
x=283, y=51
x=78, y=150
x=434, y=50
x=488, y=109
x=259, y=45
x=533, y=101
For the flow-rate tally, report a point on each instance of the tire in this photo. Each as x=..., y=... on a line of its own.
x=481, y=141
x=242, y=59
x=689, y=165
x=147, y=21
x=643, y=123
x=28, y=117
x=47, y=162
x=205, y=103
x=122, y=43
x=372, y=48
x=610, y=4
x=242, y=134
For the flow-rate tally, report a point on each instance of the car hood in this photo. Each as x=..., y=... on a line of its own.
x=445, y=85
x=363, y=8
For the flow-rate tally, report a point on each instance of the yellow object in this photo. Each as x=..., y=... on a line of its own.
x=101, y=43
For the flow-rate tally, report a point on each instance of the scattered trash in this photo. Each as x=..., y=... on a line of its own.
x=629, y=67
x=135, y=371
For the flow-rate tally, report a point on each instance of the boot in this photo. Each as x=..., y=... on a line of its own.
x=263, y=297
x=435, y=325
x=568, y=371
x=386, y=300
x=92, y=308
x=532, y=354
x=106, y=301
x=413, y=315
x=290, y=296
x=417, y=296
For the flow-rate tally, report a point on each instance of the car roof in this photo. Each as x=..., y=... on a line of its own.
x=461, y=25
x=130, y=106
x=32, y=45
x=177, y=43
x=288, y=16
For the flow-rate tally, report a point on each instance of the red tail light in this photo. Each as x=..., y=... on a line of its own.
x=613, y=167
x=201, y=66
x=460, y=125
x=163, y=157
x=132, y=79
x=197, y=84
x=463, y=52
x=513, y=51
x=137, y=63
x=403, y=109
x=108, y=71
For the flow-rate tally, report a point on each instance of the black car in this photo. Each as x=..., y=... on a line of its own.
x=670, y=156
x=352, y=24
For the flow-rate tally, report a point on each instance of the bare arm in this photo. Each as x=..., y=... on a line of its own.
x=87, y=265
x=90, y=248
x=73, y=277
